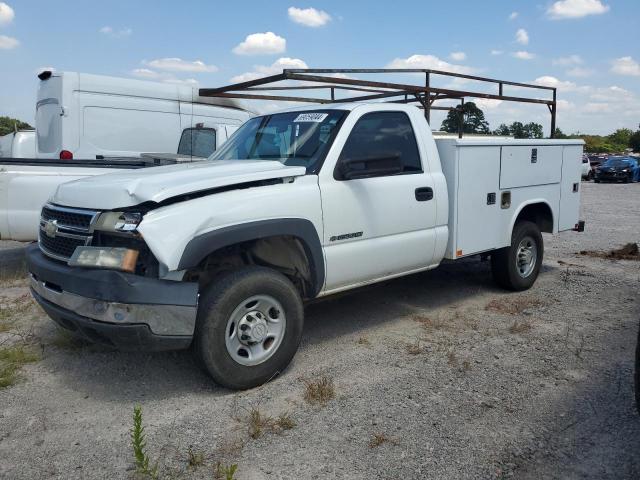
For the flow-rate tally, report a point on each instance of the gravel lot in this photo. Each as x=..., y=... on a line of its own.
x=457, y=378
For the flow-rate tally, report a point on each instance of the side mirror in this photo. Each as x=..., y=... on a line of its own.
x=378, y=165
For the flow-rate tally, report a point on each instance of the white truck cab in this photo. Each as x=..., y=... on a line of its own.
x=295, y=205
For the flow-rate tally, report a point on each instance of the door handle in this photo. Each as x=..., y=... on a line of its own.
x=424, y=193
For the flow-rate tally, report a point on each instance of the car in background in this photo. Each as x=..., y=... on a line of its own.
x=587, y=170
x=618, y=169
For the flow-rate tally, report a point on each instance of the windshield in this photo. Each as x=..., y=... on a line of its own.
x=617, y=162
x=292, y=138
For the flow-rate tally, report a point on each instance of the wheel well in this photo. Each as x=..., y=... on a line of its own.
x=285, y=253
x=538, y=213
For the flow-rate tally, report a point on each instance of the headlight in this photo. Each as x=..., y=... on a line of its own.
x=100, y=257
x=626, y=170
x=118, y=221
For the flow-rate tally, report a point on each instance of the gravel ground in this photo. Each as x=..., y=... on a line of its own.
x=457, y=378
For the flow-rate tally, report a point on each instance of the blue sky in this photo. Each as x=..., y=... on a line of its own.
x=589, y=49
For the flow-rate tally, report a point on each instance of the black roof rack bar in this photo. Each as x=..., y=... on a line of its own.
x=426, y=95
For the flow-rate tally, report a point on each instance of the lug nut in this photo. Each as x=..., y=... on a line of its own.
x=244, y=337
x=243, y=327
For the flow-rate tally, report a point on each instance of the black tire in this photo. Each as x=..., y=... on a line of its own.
x=596, y=180
x=504, y=264
x=218, y=303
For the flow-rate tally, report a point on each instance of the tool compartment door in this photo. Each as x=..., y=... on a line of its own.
x=529, y=165
x=478, y=200
x=570, y=187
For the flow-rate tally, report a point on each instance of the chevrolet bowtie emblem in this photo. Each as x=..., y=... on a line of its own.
x=51, y=228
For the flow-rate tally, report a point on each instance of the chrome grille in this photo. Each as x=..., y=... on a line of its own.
x=63, y=229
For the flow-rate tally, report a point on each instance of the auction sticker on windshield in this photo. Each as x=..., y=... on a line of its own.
x=311, y=117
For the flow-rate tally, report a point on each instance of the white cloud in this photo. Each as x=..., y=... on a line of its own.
x=567, y=61
x=522, y=37
x=145, y=73
x=496, y=52
x=579, y=72
x=549, y=81
x=309, y=17
x=626, y=66
x=593, y=107
x=174, y=64
x=7, y=43
x=6, y=14
x=458, y=56
x=612, y=94
x=513, y=15
x=522, y=55
x=576, y=9
x=487, y=103
x=261, y=44
x=273, y=69
x=110, y=31
x=429, y=62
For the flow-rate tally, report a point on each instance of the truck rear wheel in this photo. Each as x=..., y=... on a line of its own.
x=517, y=267
x=249, y=327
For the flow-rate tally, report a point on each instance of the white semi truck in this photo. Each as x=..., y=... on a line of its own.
x=222, y=254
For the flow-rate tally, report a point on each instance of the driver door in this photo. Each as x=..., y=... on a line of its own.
x=384, y=224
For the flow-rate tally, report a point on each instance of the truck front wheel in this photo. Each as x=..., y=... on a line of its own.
x=517, y=267
x=249, y=327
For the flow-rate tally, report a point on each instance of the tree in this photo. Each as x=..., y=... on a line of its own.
x=520, y=130
x=620, y=138
x=634, y=141
x=8, y=125
x=474, y=121
x=559, y=133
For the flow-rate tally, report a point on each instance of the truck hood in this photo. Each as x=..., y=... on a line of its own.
x=155, y=184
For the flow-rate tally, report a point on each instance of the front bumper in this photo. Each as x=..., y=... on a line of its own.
x=118, y=309
x=613, y=176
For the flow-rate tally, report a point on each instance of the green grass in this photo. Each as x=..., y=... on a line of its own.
x=139, y=444
x=11, y=359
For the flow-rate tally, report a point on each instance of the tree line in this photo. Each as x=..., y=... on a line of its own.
x=474, y=122
x=9, y=125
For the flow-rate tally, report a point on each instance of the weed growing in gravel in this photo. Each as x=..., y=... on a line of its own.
x=429, y=323
x=320, y=391
x=139, y=443
x=194, y=459
x=13, y=309
x=413, y=348
x=224, y=472
x=364, y=341
x=452, y=359
x=258, y=423
x=512, y=305
x=15, y=277
x=11, y=359
x=520, y=327
x=378, y=439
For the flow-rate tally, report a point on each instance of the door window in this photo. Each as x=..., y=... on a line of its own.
x=384, y=134
x=197, y=142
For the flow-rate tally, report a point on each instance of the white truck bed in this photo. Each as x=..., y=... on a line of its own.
x=487, y=170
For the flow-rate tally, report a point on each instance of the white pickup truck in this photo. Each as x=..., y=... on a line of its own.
x=221, y=255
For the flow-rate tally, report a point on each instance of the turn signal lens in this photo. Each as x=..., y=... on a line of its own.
x=66, y=155
x=110, y=258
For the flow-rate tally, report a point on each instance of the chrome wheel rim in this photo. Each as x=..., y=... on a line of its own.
x=526, y=257
x=255, y=330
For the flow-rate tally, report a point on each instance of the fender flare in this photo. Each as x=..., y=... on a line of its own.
x=523, y=205
x=304, y=230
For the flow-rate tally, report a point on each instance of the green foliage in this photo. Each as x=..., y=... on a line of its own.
x=139, y=443
x=8, y=125
x=11, y=359
x=621, y=137
x=225, y=472
x=520, y=130
x=474, y=121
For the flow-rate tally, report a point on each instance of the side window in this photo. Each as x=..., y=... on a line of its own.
x=197, y=142
x=386, y=133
